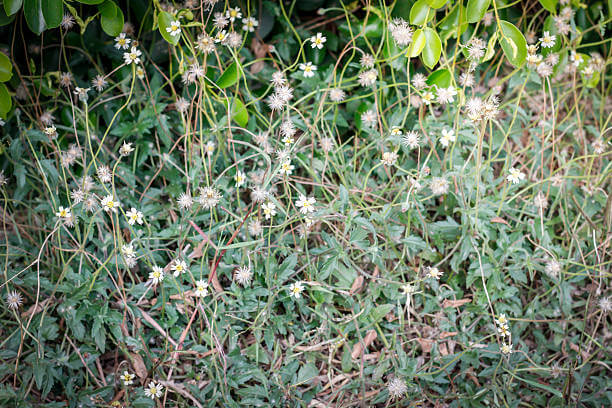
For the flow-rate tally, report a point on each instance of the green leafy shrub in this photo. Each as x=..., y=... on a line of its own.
x=305, y=203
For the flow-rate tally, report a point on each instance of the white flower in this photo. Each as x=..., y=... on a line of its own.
x=132, y=57
x=233, y=14
x=286, y=168
x=13, y=300
x=134, y=216
x=249, y=24
x=185, y=201
x=255, y=228
x=337, y=95
x=308, y=69
x=128, y=250
x=99, y=82
x=396, y=388
x=515, y=176
x=317, y=41
x=411, y=139
x=67, y=22
x=446, y=95
x=269, y=209
x=401, y=32
x=278, y=79
x=201, y=288
x=389, y=158
x=502, y=320
x=506, y=348
x=239, y=178
x=122, y=42
x=63, y=213
x=127, y=378
x=210, y=147
x=369, y=117
x=448, y=137
x=368, y=78
x=126, y=149
x=367, y=61
x=503, y=330
x=174, y=29
x=396, y=131
x=178, y=267
x=209, y=197
x=427, y=97
x=296, y=289
x=110, y=204
x=419, y=81
x=552, y=268
x=547, y=40
x=438, y=185
x=104, y=174
x=81, y=93
x=205, y=43
x=50, y=131
x=306, y=205
x=243, y=275
x=433, y=272
x=221, y=36
x=153, y=390
x=156, y=275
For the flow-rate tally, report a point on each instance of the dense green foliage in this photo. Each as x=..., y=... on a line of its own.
x=305, y=203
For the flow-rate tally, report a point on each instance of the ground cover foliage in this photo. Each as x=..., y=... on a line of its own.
x=305, y=203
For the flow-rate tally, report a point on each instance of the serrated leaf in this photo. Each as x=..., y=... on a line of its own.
x=433, y=48
x=513, y=43
x=165, y=20
x=229, y=77
x=476, y=10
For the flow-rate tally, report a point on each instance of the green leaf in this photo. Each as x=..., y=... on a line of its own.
x=307, y=373
x=5, y=101
x=441, y=78
x=4, y=19
x=417, y=44
x=436, y=3
x=91, y=1
x=513, y=43
x=550, y=5
x=6, y=68
x=379, y=312
x=229, y=77
x=476, y=10
x=53, y=11
x=111, y=18
x=421, y=13
x=12, y=6
x=165, y=20
x=239, y=112
x=433, y=48
x=32, y=10
x=490, y=48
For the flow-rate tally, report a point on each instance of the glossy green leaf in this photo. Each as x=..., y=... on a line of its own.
x=12, y=6
x=165, y=20
x=433, y=48
x=513, y=43
x=454, y=23
x=5, y=101
x=111, y=18
x=4, y=19
x=91, y=1
x=421, y=13
x=229, y=77
x=417, y=44
x=490, y=47
x=550, y=5
x=476, y=10
x=32, y=10
x=6, y=68
x=436, y=3
x=239, y=112
x=441, y=78
x=53, y=11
